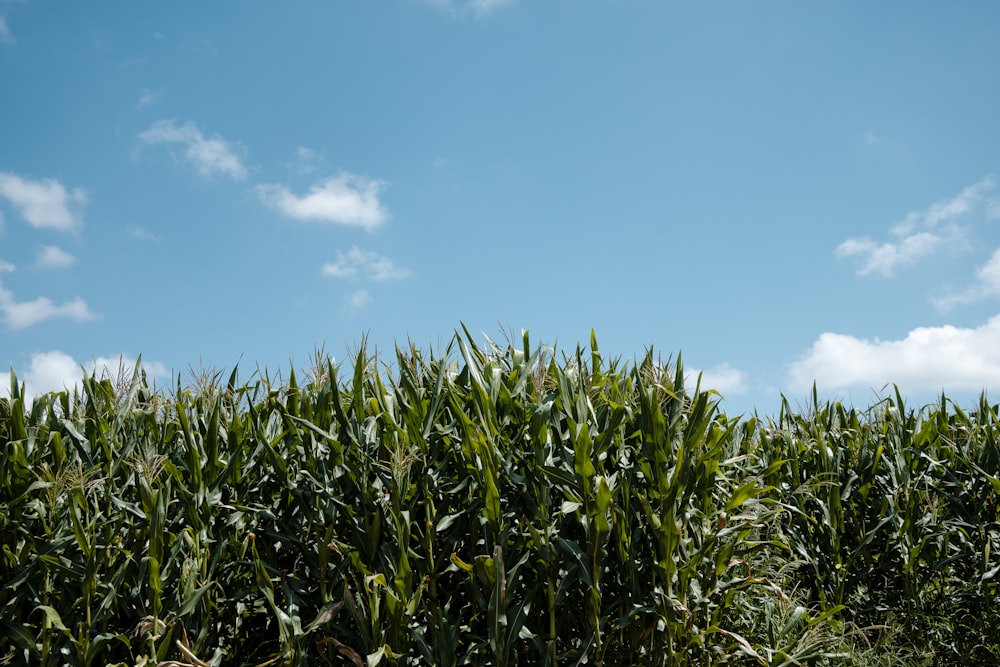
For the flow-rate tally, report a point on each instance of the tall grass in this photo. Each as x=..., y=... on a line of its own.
x=496, y=504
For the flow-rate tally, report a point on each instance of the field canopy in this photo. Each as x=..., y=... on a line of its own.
x=494, y=504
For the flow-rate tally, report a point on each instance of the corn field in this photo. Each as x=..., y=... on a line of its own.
x=493, y=504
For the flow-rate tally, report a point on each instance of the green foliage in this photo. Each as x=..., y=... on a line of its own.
x=494, y=505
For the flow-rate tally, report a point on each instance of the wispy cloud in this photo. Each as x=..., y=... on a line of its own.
x=54, y=257
x=481, y=8
x=344, y=199
x=945, y=358
x=475, y=8
x=308, y=160
x=359, y=299
x=44, y=204
x=357, y=262
x=147, y=97
x=986, y=285
x=922, y=233
x=56, y=371
x=209, y=155
x=142, y=234
x=885, y=258
x=5, y=36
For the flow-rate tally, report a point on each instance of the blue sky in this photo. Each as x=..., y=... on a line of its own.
x=782, y=192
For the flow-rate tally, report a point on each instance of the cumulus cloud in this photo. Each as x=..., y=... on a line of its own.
x=22, y=314
x=370, y=264
x=344, y=199
x=945, y=358
x=56, y=371
x=723, y=378
x=44, y=204
x=922, y=233
x=209, y=155
x=986, y=285
x=54, y=257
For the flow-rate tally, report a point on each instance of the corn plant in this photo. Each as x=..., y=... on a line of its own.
x=490, y=504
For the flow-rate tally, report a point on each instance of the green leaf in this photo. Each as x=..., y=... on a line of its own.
x=745, y=493
x=52, y=618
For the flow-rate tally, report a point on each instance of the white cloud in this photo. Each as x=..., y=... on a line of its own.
x=22, y=314
x=109, y=367
x=987, y=284
x=887, y=257
x=43, y=203
x=357, y=261
x=944, y=358
x=359, y=299
x=56, y=371
x=722, y=377
x=50, y=371
x=53, y=257
x=209, y=155
x=951, y=209
x=345, y=199
x=922, y=233
x=5, y=36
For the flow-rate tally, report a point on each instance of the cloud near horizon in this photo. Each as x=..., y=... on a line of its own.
x=44, y=204
x=944, y=358
x=922, y=233
x=722, y=377
x=56, y=371
x=209, y=155
x=345, y=199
